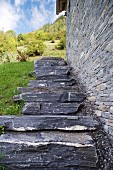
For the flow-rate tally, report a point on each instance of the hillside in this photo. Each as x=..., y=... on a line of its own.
x=18, y=48
x=58, y=28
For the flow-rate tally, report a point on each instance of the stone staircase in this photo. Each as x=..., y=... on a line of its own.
x=53, y=133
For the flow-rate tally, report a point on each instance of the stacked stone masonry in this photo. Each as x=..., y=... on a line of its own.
x=90, y=53
x=54, y=132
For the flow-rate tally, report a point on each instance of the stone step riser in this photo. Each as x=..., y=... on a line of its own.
x=49, y=150
x=50, y=97
x=49, y=63
x=34, y=123
x=52, y=72
x=50, y=84
x=35, y=108
x=53, y=77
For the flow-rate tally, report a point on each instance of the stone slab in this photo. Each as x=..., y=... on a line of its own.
x=48, y=149
x=34, y=167
x=45, y=71
x=45, y=89
x=53, y=77
x=43, y=63
x=35, y=108
x=45, y=83
x=36, y=96
x=52, y=58
x=35, y=123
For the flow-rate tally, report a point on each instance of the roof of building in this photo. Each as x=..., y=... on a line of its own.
x=61, y=6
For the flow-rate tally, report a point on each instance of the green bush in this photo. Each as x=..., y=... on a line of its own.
x=62, y=44
x=8, y=57
x=22, y=55
x=35, y=48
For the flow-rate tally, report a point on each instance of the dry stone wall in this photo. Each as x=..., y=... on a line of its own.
x=90, y=52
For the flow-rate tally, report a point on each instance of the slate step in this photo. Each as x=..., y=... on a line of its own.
x=31, y=89
x=20, y=167
x=49, y=83
x=44, y=63
x=48, y=150
x=52, y=58
x=50, y=97
x=45, y=89
x=53, y=77
x=36, y=123
x=46, y=71
x=35, y=108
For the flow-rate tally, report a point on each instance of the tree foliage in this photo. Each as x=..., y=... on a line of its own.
x=30, y=44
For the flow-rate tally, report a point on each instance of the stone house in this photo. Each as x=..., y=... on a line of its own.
x=90, y=52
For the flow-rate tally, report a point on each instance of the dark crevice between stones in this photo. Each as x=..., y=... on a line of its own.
x=48, y=130
x=80, y=108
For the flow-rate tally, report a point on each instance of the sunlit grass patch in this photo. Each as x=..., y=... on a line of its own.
x=12, y=75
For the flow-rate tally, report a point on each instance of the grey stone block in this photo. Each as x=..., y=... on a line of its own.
x=48, y=150
x=36, y=123
x=51, y=108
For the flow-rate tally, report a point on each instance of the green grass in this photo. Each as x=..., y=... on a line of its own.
x=13, y=75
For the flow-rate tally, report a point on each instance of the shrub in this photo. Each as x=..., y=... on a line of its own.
x=22, y=56
x=9, y=57
x=62, y=44
x=35, y=48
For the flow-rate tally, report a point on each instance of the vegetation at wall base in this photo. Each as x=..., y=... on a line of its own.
x=13, y=75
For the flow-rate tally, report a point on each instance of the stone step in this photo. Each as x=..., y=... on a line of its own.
x=52, y=58
x=50, y=97
x=57, y=68
x=35, y=108
x=48, y=150
x=46, y=71
x=44, y=63
x=45, y=89
x=20, y=167
x=28, y=89
x=53, y=77
x=49, y=83
x=36, y=123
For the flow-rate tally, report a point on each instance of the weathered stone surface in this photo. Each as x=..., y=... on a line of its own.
x=35, y=108
x=46, y=71
x=50, y=97
x=49, y=89
x=52, y=58
x=34, y=123
x=53, y=77
x=31, y=167
x=38, y=97
x=25, y=89
x=49, y=83
x=72, y=97
x=48, y=149
x=43, y=63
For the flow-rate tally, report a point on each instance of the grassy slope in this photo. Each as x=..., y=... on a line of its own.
x=12, y=75
x=52, y=51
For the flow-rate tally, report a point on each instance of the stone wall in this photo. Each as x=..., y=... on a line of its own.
x=90, y=52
